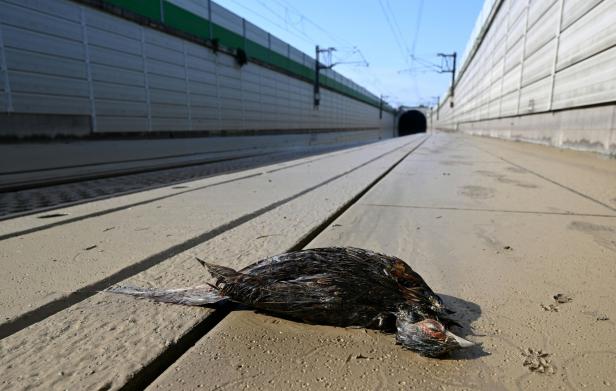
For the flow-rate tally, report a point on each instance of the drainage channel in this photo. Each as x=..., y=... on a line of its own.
x=150, y=372
x=269, y=160
x=40, y=198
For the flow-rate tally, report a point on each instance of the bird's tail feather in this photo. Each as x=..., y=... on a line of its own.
x=218, y=271
x=197, y=296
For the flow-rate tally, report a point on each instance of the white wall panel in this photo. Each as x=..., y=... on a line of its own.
x=256, y=34
x=44, y=64
x=201, y=79
x=40, y=43
x=296, y=55
x=160, y=39
x=161, y=110
x=106, y=22
x=48, y=85
x=535, y=97
x=42, y=23
x=278, y=46
x=59, y=8
x=226, y=19
x=539, y=64
x=574, y=9
x=517, y=24
x=168, y=97
x=112, y=58
x=106, y=107
x=543, y=31
x=511, y=80
x=116, y=75
x=514, y=55
x=36, y=103
x=160, y=83
x=537, y=9
x=110, y=91
x=112, y=41
x=164, y=56
x=205, y=103
x=587, y=82
x=168, y=70
x=592, y=33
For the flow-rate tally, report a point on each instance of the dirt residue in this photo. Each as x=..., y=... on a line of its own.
x=502, y=178
x=477, y=192
x=603, y=235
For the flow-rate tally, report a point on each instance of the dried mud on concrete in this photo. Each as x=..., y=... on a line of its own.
x=524, y=254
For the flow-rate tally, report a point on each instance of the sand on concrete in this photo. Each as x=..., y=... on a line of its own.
x=496, y=241
x=103, y=342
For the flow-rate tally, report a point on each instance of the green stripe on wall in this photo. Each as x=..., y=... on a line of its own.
x=227, y=38
x=187, y=22
x=148, y=8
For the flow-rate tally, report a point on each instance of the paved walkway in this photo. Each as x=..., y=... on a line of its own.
x=497, y=228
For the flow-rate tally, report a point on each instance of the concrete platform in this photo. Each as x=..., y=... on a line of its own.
x=495, y=227
x=232, y=219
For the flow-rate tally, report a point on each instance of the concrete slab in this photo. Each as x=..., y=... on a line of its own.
x=498, y=269
x=455, y=173
x=114, y=341
x=591, y=174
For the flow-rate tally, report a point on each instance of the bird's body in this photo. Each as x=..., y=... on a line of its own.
x=341, y=286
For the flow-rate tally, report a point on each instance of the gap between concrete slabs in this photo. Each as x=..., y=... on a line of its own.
x=117, y=341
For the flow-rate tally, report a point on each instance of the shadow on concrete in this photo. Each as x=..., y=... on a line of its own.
x=466, y=313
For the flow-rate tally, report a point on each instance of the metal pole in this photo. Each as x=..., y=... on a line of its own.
x=381, y=107
x=453, y=73
x=317, y=68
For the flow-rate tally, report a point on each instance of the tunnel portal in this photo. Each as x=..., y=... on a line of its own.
x=411, y=122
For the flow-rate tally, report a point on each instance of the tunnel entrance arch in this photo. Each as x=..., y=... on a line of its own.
x=411, y=122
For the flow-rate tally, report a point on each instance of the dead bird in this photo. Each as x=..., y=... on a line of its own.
x=340, y=286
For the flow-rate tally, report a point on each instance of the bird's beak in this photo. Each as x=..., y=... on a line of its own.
x=461, y=341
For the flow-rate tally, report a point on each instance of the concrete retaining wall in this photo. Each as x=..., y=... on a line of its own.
x=96, y=67
x=540, y=71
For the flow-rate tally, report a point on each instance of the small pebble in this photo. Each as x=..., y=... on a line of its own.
x=562, y=298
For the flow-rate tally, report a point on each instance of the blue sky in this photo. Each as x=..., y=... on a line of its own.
x=386, y=32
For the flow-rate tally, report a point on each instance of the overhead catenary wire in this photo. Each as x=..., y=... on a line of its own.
x=287, y=17
x=303, y=37
x=394, y=32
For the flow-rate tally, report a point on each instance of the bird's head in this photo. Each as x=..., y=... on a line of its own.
x=427, y=337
